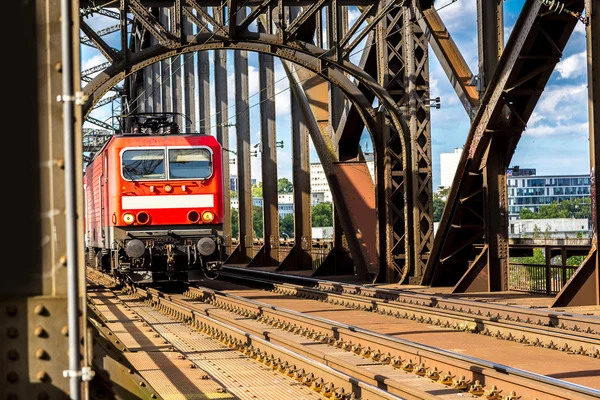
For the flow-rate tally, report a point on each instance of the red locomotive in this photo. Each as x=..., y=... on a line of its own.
x=154, y=203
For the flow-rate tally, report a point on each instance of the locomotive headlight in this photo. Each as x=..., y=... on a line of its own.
x=128, y=218
x=168, y=188
x=207, y=217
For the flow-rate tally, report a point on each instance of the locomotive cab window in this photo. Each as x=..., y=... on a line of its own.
x=143, y=164
x=190, y=163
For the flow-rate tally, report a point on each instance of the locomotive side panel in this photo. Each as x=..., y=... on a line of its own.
x=95, y=205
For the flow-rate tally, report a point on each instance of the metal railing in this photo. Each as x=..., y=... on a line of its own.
x=539, y=278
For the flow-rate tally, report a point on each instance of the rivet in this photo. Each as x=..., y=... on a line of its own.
x=41, y=354
x=42, y=376
x=39, y=331
x=12, y=332
x=65, y=330
x=40, y=310
x=63, y=260
x=152, y=396
x=130, y=371
x=13, y=355
x=141, y=383
x=58, y=67
x=11, y=310
x=12, y=377
x=60, y=163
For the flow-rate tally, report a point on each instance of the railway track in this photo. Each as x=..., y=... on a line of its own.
x=449, y=369
x=317, y=379
x=400, y=367
x=575, y=334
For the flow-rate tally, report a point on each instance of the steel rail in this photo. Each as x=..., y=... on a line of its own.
x=375, y=373
x=320, y=377
x=357, y=339
x=462, y=319
x=550, y=318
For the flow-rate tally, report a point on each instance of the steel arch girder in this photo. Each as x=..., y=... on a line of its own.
x=306, y=55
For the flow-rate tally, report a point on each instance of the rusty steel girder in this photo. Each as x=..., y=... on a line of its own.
x=471, y=246
x=285, y=42
x=583, y=288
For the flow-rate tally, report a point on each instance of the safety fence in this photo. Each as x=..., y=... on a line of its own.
x=539, y=278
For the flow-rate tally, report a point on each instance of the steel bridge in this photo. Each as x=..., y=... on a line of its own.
x=383, y=225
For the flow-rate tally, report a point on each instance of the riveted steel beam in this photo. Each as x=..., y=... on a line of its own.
x=268, y=151
x=100, y=44
x=454, y=65
x=222, y=127
x=351, y=185
x=299, y=257
x=243, y=254
x=490, y=33
x=583, y=288
x=33, y=296
x=189, y=73
x=471, y=247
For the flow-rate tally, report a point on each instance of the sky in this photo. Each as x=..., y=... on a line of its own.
x=555, y=141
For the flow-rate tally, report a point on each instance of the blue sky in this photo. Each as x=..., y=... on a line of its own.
x=556, y=139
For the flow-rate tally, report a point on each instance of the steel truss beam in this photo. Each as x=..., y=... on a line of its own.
x=450, y=58
x=471, y=247
x=34, y=295
x=320, y=61
x=583, y=288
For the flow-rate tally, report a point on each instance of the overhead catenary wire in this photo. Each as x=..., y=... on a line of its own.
x=225, y=122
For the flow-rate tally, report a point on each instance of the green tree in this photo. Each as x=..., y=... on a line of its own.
x=257, y=190
x=235, y=222
x=257, y=221
x=322, y=215
x=233, y=194
x=574, y=208
x=284, y=186
x=438, y=207
x=286, y=225
x=526, y=213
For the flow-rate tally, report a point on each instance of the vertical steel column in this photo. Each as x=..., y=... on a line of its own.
x=490, y=27
x=176, y=91
x=189, y=72
x=302, y=194
x=387, y=270
x=583, y=287
x=165, y=68
x=337, y=19
x=242, y=129
x=33, y=296
x=149, y=87
x=221, y=122
x=269, y=159
x=299, y=257
x=156, y=75
x=204, y=92
x=417, y=89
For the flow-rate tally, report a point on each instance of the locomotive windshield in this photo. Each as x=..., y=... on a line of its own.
x=149, y=164
x=143, y=164
x=189, y=164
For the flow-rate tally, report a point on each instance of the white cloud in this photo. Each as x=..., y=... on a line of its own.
x=456, y=12
x=563, y=102
x=573, y=66
x=580, y=130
